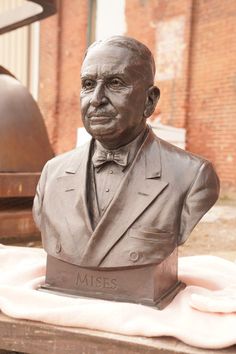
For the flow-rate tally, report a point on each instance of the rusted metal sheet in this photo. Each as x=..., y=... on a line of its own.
x=24, y=144
x=17, y=223
x=18, y=184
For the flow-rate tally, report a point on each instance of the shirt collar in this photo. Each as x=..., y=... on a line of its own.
x=130, y=148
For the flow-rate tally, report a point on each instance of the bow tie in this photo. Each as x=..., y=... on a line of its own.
x=102, y=156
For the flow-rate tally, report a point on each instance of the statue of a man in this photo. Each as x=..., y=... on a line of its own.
x=126, y=198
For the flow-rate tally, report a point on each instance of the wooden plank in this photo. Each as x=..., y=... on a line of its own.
x=18, y=184
x=39, y=338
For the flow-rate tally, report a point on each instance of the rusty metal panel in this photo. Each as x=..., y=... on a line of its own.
x=18, y=184
x=24, y=145
x=17, y=223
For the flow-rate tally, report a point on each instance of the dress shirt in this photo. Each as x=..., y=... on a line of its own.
x=105, y=179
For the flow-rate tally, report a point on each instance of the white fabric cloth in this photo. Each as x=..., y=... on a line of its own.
x=202, y=315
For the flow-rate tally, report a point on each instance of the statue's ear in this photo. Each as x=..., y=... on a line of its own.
x=153, y=95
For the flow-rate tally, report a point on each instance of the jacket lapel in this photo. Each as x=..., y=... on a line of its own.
x=139, y=188
x=73, y=186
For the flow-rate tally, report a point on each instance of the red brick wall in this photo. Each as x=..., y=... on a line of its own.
x=211, y=125
x=198, y=92
x=48, y=76
x=145, y=19
x=202, y=96
x=63, y=42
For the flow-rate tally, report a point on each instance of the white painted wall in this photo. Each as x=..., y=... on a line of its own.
x=110, y=18
x=170, y=48
x=175, y=136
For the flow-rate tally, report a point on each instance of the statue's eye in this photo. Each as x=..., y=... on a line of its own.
x=88, y=84
x=115, y=83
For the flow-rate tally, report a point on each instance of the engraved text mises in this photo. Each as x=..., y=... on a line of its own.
x=86, y=280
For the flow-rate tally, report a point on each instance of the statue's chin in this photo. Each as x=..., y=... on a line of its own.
x=104, y=132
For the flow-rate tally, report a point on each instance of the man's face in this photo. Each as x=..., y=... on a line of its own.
x=113, y=95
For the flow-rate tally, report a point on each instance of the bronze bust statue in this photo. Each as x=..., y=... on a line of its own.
x=113, y=211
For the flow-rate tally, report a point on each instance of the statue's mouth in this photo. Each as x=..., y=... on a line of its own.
x=100, y=119
x=101, y=113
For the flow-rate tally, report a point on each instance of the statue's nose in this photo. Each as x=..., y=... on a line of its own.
x=98, y=96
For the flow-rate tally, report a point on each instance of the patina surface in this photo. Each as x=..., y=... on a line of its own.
x=162, y=191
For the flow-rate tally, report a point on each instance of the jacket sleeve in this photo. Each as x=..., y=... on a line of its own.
x=201, y=196
x=38, y=199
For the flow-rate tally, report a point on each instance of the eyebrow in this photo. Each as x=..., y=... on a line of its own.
x=104, y=74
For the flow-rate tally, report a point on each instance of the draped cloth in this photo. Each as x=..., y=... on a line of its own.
x=202, y=315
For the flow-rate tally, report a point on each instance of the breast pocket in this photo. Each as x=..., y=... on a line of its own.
x=152, y=235
x=151, y=245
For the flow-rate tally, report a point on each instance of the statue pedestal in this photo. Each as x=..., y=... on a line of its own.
x=153, y=285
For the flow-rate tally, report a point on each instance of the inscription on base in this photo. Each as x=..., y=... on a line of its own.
x=85, y=280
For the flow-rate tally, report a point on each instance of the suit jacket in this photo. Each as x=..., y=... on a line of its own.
x=161, y=198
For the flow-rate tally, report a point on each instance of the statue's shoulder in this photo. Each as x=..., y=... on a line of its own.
x=68, y=161
x=183, y=167
x=177, y=158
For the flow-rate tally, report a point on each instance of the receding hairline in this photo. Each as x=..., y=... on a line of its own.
x=138, y=49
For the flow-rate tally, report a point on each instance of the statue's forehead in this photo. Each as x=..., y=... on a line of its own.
x=124, y=69
x=110, y=59
x=107, y=69
x=108, y=52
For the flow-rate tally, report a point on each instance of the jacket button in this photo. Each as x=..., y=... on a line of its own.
x=134, y=256
x=58, y=247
